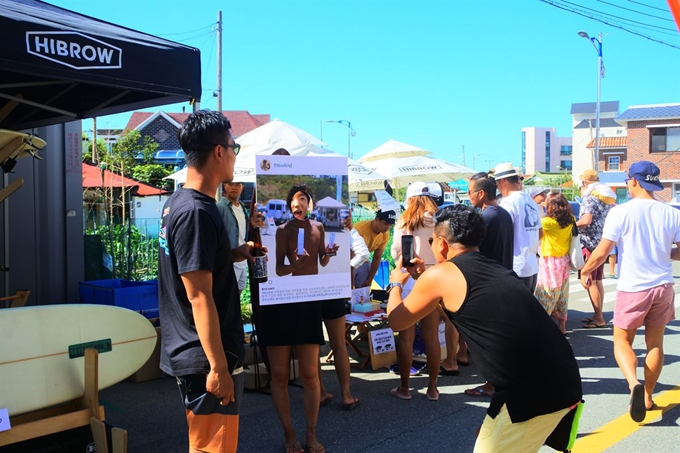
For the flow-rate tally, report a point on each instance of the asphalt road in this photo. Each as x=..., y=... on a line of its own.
x=153, y=415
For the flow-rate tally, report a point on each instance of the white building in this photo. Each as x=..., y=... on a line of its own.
x=583, y=131
x=543, y=150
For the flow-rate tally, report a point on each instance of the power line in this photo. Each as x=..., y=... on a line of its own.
x=191, y=38
x=648, y=6
x=186, y=32
x=620, y=27
x=635, y=11
x=618, y=17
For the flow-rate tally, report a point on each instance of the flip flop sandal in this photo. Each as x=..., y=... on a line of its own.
x=444, y=372
x=587, y=320
x=461, y=363
x=592, y=325
x=395, y=392
x=325, y=401
x=478, y=391
x=351, y=406
x=637, y=409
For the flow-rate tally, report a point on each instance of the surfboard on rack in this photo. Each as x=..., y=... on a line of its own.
x=42, y=353
x=15, y=145
x=11, y=188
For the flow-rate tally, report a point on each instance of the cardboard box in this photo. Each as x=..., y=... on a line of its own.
x=150, y=370
x=250, y=378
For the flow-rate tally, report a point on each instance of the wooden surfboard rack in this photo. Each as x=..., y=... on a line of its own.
x=81, y=412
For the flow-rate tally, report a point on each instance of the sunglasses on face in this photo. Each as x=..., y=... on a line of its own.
x=236, y=147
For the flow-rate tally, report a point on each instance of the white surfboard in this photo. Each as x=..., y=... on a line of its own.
x=42, y=351
x=15, y=145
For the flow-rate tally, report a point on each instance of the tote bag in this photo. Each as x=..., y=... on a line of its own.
x=575, y=254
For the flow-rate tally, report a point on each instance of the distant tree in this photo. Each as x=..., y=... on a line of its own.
x=129, y=147
x=87, y=151
x=153, y=174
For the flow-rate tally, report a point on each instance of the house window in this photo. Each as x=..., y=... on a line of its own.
x=664, y=139
x=614, y=163
x=676, y=192
x=565, y=150
x=565, y=165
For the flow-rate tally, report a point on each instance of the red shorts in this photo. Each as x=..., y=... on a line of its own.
x=597, y=274
x=654, y=307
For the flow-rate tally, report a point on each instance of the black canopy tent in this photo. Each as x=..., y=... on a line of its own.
x=58, y=66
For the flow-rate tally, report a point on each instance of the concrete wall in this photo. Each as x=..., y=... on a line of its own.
x=42, y=223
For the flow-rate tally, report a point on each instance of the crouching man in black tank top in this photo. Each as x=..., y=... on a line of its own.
x=516, y=345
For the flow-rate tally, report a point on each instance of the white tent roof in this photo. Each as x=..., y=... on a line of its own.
x=329, y=202
x=393, y=148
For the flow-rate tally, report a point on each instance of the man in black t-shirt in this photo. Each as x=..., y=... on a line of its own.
x=202, y=333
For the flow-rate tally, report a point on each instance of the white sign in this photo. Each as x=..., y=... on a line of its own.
x=4, y=420
x=442, y=335
x=308, y=249
x=386, y=202
x=382, y=341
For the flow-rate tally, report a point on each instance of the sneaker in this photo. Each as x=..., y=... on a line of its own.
x=613, y=276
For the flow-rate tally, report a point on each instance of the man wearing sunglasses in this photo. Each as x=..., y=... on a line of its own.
x=202, y=333
x=645, y=230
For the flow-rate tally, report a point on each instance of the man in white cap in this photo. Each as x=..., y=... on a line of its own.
x=526, y=220
x=645, y=230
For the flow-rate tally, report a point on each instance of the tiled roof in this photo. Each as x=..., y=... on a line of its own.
x=656, y=112
x=92, y=178
x=604, y=122
x=609, y=142
x=241, y=120
x=589, y=107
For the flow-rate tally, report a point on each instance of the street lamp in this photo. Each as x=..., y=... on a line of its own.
x=350, y=133
x=597, y=44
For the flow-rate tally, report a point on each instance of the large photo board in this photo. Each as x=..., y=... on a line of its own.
x=305, y=201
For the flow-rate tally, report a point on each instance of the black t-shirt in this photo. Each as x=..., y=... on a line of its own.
x=515, y=344
x=193, y=237
x=498, y=242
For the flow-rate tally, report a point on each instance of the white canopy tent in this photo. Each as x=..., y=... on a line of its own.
x=403, y=171
x=393, y=148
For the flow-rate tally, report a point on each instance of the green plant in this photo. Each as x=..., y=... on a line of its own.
x=134, y=256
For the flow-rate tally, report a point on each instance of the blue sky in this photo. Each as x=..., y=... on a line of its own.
x=437, y=74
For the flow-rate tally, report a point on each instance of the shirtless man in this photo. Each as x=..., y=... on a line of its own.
x=315, y=250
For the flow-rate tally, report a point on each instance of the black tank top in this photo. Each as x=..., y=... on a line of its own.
x=514, y=342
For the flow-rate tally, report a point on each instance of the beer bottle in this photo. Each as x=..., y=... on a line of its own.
x=259, y=268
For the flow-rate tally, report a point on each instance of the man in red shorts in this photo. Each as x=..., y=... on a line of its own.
x=645, y=230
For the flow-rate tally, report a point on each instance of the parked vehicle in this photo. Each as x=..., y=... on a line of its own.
x=276, y=209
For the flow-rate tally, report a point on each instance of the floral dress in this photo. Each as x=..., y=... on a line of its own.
x=552, y=288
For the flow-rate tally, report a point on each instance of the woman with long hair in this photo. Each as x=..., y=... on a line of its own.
x=552, y=289
x=418, y=220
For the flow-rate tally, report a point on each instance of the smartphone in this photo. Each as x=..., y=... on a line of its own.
x=407, y=252
x=331, y=243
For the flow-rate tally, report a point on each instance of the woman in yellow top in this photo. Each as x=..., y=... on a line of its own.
x=552, y=289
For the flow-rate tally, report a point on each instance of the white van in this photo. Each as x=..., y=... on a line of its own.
x=276, y=209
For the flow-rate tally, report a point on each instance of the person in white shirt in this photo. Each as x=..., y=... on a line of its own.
x=645, y=230
x=526, y=220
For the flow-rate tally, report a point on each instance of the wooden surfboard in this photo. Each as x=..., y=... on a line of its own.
x=15, y=145
x=42, y=351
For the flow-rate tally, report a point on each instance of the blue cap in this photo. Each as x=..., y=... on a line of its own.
x=646, y=174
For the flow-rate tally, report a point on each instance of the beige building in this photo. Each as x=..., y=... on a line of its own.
x=583, y=132
x=543, y=150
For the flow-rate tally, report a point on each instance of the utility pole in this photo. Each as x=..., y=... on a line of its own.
x=95, y=155
x=219, y=61
x=463, y=156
